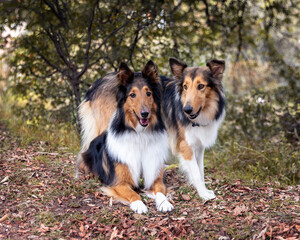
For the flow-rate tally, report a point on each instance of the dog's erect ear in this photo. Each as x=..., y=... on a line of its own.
x=150, y=72
x=177, y=67
x=216, y=67
x=125, y=74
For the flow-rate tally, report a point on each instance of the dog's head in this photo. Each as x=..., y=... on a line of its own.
x=140, y=94
x=199, y=87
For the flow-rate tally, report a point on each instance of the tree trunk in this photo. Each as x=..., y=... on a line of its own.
x=77, y=99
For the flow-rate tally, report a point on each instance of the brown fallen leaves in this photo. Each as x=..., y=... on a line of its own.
x=40, y=198
x=239, y=210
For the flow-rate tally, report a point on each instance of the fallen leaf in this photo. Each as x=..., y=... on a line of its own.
x=139, y=216
x=81, y=228
x=4, y=179
x=114, y=233
x=185, y=197
x=43, y=228
x=4, y=218
x=239, y=209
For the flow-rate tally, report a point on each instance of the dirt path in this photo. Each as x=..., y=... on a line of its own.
x=40, y=199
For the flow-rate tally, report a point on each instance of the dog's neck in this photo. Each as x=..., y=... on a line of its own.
x=199, y=125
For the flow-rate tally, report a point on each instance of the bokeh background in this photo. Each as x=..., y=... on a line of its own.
x=52, y=51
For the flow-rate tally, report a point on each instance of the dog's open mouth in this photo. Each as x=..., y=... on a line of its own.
x=193, y=116
x=143, y=121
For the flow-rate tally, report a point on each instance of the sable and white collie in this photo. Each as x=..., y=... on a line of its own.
x=194, y=108
x=124, y=137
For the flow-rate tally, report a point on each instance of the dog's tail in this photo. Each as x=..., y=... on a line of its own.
x=98, y=160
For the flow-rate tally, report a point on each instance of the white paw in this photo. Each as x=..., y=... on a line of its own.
x=206, y=194
x=138, y=207
x=162, y=203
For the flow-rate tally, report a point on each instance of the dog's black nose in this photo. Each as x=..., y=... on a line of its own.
x=144, y=114
x=188, y=109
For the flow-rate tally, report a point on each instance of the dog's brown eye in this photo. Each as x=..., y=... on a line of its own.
x=200, y=86
x=132, y=95
x=148, y=94
x=185, y=87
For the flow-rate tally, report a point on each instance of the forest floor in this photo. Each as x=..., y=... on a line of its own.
x=40, y=199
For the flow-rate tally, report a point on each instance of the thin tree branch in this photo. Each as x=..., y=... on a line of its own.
x=55, y=39
x=208, y=21
x=89, y=40
x=47, y=61
x=133, y=45
x=62, y=37
x=103, y=42
x=240, y=23
x=58, y=13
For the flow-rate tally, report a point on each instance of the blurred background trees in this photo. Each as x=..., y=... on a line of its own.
x=66, y=45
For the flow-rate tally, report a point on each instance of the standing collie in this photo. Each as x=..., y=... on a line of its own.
x=194, y=108
x=124, y=137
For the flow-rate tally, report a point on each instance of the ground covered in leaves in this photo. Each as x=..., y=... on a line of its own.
x=40, y=199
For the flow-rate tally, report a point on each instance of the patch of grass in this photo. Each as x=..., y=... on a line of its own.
x=43, y=159
x=57, y=133
x=47, y=218
x=263, y=161
x=105, y=216
x=77, y=216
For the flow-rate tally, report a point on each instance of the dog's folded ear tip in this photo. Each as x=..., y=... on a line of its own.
x=173, y=60
x=123, y=64
x=215, y=61
x=216, y=66
x=177, y=62
x=150, y=62
x=150, y=71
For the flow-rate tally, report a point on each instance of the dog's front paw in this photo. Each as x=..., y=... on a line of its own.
x=206, y=194
x=138, y=207
x=162, y=203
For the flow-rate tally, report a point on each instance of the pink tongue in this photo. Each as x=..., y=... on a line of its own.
x=144, y=121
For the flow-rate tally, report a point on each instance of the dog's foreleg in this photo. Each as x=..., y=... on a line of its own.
x=193, y=172
x=125, y=193
x=158, y=191
x=200, y=162
x=122, y=189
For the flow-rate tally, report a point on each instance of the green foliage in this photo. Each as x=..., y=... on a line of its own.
x=67, y=44
x=58, y=133
x=258, y=115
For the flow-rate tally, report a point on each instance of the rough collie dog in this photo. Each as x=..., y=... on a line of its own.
x=194, y=107
x=122, y=114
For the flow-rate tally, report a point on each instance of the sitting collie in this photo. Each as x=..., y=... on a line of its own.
x=124, y=137
x=194, y=108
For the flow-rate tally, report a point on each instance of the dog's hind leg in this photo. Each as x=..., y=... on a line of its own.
x=79, y=161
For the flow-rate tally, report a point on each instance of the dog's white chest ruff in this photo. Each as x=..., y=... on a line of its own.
x=143, y=152
x=204, y=135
